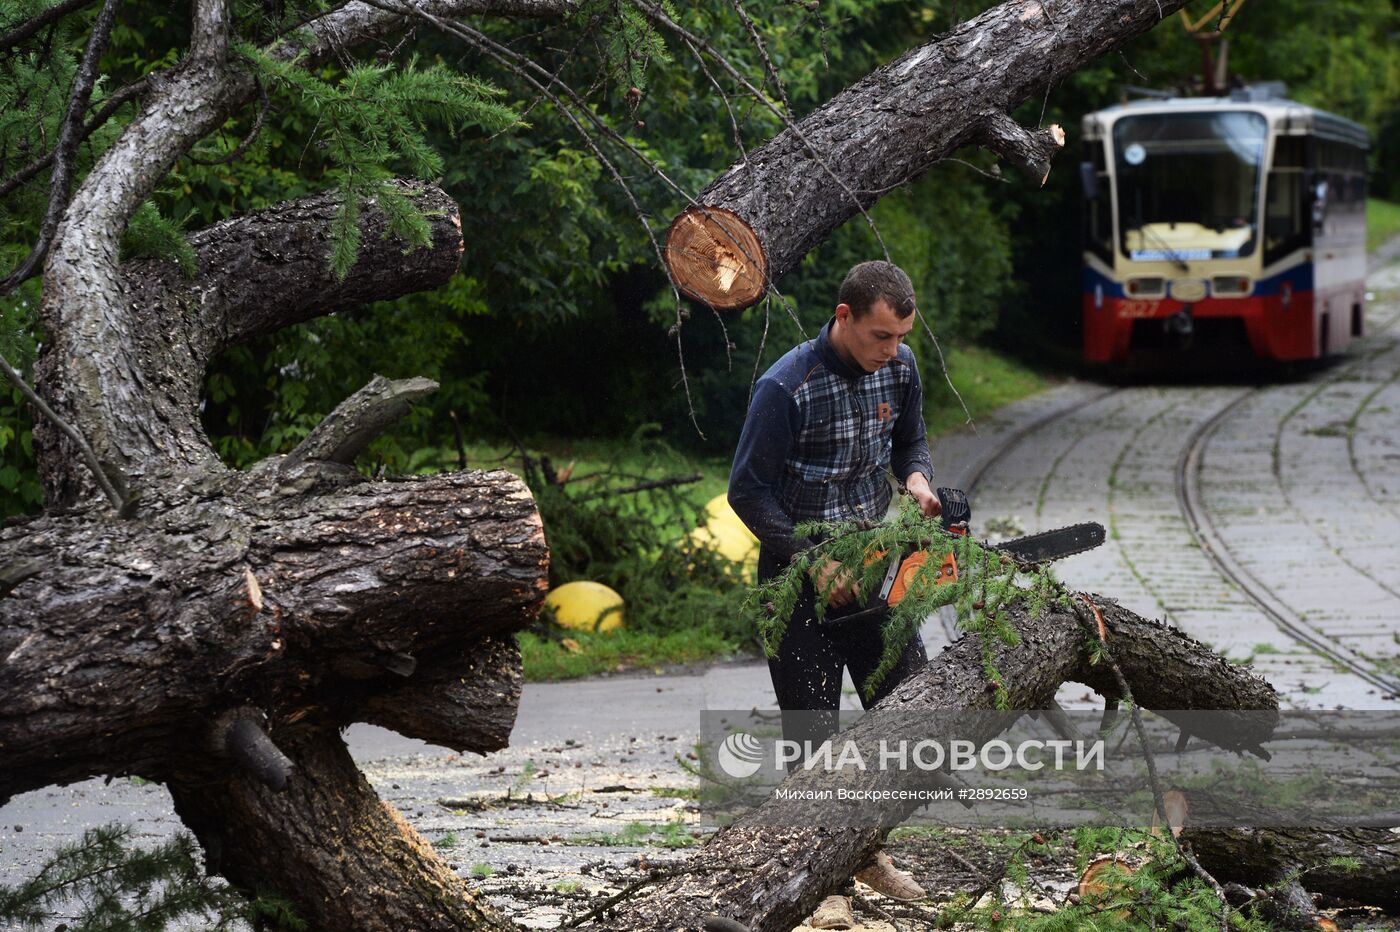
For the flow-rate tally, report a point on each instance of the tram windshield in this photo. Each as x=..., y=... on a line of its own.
x=1188, y=184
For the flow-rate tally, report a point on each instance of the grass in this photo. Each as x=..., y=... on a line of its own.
x=1382, y=222
x=673, y=834
x=617, y=651
x=986, y=380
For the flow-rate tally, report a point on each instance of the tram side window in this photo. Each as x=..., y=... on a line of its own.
x=1286, y=203
x=1290, y=152
x=1098, y=211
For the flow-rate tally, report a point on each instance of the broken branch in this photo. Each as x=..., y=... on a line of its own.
x=357, y=420
x=1030, y=151
x=240, y=735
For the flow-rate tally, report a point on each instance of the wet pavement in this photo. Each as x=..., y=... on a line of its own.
x=1262, y=519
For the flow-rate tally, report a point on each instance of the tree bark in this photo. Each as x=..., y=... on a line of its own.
x=769, y=878
x=1360, y=865
x=152, y=369
x=137, y=634
x=888, y=129
x=352, y=860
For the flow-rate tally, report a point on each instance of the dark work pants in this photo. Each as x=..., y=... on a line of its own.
x=807, y=669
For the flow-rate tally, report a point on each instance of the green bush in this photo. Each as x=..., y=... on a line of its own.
x=637, y=542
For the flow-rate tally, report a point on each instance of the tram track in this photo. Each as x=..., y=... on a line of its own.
x=1008, y=443
x=1114, y=531
x=986, y=460
x=1351, y=441
x=1217, y=551
x=1043, y=492
x=1276, y=461
x=1352, y=424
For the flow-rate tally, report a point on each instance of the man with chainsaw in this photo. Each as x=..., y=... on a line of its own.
x=830, y=424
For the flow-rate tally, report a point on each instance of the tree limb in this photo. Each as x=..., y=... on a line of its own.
x=794, y=191
x=255, y=274
x=264, y=105
x=361, y=845
x=31, y=26
x=356, y=421
x=1360, y=864
x=1029, y=151
x=774, y=864
x=358, y=22
x=135, y=635
x=209, y=31
x=69, y=135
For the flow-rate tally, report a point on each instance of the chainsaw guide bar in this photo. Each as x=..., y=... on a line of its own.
x=1053, y=545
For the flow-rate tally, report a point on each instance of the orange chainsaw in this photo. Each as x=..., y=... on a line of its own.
x=956, y=515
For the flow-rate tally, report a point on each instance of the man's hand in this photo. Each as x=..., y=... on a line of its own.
x=845, y=589
x=917, y=484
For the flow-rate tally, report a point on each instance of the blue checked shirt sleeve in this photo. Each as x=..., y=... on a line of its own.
x=769, y=432
x=909, y=447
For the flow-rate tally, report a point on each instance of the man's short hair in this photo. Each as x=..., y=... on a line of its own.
x=870, y=281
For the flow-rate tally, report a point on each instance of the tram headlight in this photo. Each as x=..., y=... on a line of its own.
x=1098, y=296
x=1229, y=286
x=1152, y=287
x=1286, y=294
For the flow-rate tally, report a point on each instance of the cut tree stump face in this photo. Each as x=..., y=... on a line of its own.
x=716, y=258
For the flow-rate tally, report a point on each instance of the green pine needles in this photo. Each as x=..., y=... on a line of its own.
x=988, y=583
x=373, y=119
x=1148, y=886
x=105, y=884
x=151, y=234
x=629, y=40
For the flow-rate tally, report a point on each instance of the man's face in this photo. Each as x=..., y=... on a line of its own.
x=873, y=339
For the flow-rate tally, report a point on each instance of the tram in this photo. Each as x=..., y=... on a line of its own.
x=1214, y=220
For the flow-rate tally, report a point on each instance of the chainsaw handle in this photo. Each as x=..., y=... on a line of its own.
x=956, y=512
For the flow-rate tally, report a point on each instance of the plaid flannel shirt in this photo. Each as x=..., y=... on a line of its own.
x=819, y=442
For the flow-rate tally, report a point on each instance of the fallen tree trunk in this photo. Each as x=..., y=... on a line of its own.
x=773, y=866
x=136, y=634
x=1357, y=865
x=219, y=630
x=329, y=836
x=755, y=222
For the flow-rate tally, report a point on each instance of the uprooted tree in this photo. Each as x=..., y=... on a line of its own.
x=215, y=629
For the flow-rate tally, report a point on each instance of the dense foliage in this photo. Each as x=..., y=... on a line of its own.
x=559, y=319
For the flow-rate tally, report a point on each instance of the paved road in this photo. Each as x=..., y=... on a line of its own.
x=1262, y=519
